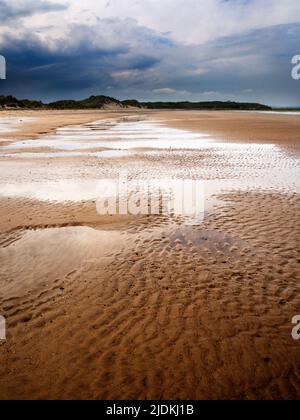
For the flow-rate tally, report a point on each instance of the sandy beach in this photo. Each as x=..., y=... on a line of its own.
x=149, y=306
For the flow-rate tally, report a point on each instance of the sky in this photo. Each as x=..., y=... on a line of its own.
x=168, y=50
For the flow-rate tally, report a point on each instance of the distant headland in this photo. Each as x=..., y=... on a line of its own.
x=105, y=102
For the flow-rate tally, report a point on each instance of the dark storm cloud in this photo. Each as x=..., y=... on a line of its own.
x=87, y=62
x=12, y=9
x=121, y=58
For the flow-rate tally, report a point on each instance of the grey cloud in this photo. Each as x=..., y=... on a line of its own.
x=124, y=59
x=10, y=10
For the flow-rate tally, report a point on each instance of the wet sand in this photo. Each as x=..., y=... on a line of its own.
x=255, y=127
x=150, y=307
x=32, y=124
